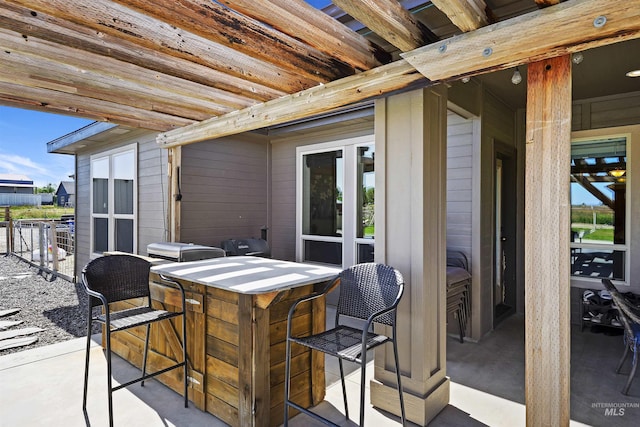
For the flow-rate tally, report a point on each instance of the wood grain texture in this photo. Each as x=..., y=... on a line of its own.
x=379, y=81
x=304, y=22
x=77, y=37
x=547, y=231
x=568, y=27
x=389, y=20
x=116, y=20
x=227, y=28
x=467, y=15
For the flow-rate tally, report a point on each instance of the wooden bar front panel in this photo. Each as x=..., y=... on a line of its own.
x=236, y=352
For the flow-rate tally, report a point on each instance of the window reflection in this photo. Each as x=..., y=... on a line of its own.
x=366, y=192
x=322, y=195
x=598, y=207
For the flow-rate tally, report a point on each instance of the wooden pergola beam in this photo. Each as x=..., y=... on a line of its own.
x=104, y=111
x=389, y=20
x=225, y=27
x=568, y=27
x=43, y=26
x=111, y=18
x=468, y=15
x=299, y=19
x=37, y=63
x=379, y=81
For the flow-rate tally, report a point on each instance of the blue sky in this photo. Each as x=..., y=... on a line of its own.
x=23, y=144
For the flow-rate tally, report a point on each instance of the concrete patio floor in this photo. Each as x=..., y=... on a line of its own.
x=43, y=387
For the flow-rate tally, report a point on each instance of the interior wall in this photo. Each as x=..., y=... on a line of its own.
x=225, y=189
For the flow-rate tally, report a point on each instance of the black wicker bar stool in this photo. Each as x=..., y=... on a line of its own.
x=369, y=293
x=114, y=278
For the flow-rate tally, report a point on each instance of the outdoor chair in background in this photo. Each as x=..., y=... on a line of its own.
x=369, y=293
x=630, y=317
x=115, y=278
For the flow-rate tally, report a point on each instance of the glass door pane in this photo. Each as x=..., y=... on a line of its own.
x=598, y=208
x=322, y=190
x=366, y=192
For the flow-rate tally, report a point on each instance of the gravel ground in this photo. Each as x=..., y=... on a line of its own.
x=57, y=306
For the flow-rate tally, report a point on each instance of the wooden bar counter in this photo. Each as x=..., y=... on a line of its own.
x=236, y=331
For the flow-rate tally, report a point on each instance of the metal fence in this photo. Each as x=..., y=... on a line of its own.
x=46, y=244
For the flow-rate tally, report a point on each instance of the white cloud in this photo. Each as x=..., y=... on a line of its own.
x=41, y=174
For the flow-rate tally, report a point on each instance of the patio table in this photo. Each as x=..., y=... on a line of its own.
x=236, y=331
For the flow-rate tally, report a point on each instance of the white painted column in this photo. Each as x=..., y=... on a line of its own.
x=410, y=131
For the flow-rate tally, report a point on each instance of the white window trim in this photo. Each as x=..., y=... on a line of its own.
x=110, y=215
x=348, y=147
x=591, y=135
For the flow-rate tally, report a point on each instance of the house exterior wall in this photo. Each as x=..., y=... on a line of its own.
x=152, y=189
x=225, y=189
x=459, y=182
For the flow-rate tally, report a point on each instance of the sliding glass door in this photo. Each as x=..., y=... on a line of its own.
x=335, y=202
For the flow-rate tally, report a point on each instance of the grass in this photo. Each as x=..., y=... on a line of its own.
x=42, y=212
x=605, y=234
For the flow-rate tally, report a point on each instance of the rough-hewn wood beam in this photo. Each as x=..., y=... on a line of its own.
x=46, y=27
x=38, y=63
x=568, y=27
x=389, y=20
x=111, y=18
x=467, y=15
x=571, y=32
x=221, y=25
x=545, y=3
x=315, y=28
x=547, y=229
x=58, y=103
x=387, y=78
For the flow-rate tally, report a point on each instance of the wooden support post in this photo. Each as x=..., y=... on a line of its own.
x=175, y=195
x=547, y=228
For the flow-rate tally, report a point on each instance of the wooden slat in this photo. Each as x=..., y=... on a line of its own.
x=68, y=103
x=547, y=225
x=38, y=63
x=221, y=25
x=467, y=15
x=568, y=27
x=261, y=395
x=116, y=20
x=245, y=361
x=302, y=21
x=387, y=78
x=318, y=385
x=389, y=20
x=73, y=36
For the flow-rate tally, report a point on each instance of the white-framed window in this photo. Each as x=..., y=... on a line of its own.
x=335, y=202
x=600, y=214
x=114, y=200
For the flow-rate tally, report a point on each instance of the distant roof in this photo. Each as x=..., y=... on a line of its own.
x=69, y=187
x=15, y=180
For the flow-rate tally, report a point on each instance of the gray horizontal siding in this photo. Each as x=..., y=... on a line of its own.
x=225, y=189
x=459, y=175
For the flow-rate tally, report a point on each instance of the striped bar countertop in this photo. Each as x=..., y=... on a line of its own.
x=247, y=274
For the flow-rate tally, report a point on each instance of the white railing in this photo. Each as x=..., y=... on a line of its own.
x=46, y=244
